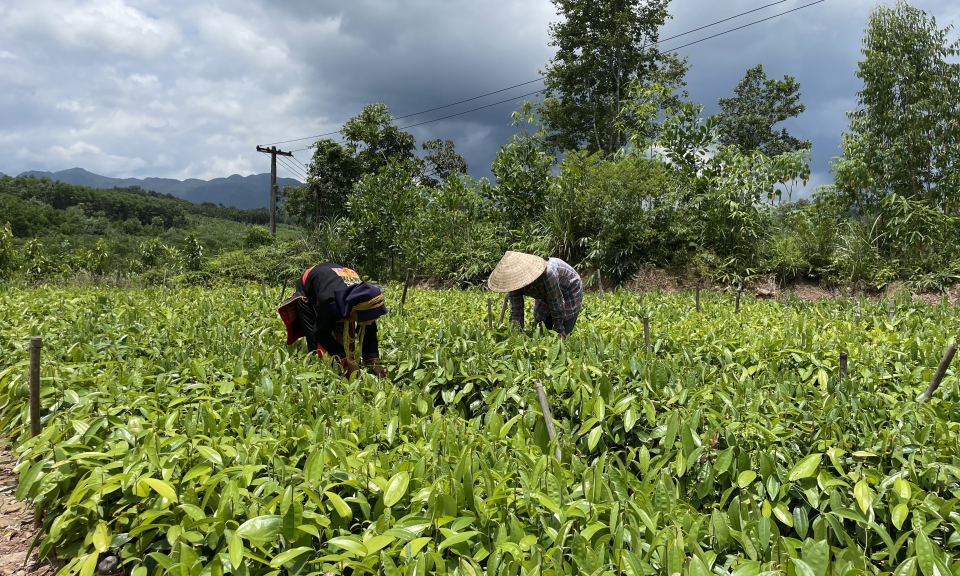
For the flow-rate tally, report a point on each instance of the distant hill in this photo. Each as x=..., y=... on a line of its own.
x=240, y=191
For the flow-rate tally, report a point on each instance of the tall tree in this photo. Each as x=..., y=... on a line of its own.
x=441, y=162
x=332, y=172
x=376, y=141
x=904, y=136
x=602, y=47
x=747, y=119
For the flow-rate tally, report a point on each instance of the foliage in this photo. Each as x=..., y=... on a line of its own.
x=441, y=162
x=719, y=452
x=523, y=171
x=904, y=134
x=747, y=119
x=331, y=174
x=376, y=142
x=192, y=253
x=256, y=236
x=8, y=254
x=602, y=47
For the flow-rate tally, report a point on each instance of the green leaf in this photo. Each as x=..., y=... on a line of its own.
x=236, y=551
x=746, y=478
x=284, y=557
x=802, y=568
x=594, y=438
x=377, y=543
x=350, y=544
x=805, y=468
x=162, y=488
x=456, y=539
x=396, y=489
x=924, y=554
x=101, y=537
x=343, y=510
x=210, y=454
x=88, y=565
x=817, y=555
x=260, y=529
x=900, y=513
x=698, y=568
x=864, y=495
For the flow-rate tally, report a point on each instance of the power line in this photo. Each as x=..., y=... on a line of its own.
x=450, y=116
x=720, y=22
x=292, y=170
x=745, y=25
x=540, y=79
x=431, y=109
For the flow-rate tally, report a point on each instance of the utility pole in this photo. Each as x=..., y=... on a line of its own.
x=273, y=152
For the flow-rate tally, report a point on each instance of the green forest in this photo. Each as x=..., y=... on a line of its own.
x=613, y=176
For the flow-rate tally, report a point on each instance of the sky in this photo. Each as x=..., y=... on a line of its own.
x=187, y=89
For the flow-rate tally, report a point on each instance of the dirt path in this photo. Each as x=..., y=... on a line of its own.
x=16, y=525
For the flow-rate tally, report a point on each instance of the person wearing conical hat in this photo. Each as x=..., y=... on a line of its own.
x=553, y=284
x=336, y=312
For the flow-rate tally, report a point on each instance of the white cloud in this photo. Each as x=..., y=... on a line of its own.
x=4, y=55
x=110, y=26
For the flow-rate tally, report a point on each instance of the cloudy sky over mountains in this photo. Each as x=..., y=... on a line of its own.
x=181, y=89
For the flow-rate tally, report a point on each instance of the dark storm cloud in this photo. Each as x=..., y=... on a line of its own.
x=183, y=89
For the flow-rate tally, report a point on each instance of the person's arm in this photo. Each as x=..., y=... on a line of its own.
x=371, y=351
x=324, y=337
x=554, y=299
x=516, y=307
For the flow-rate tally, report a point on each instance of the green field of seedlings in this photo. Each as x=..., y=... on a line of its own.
x=181, y=434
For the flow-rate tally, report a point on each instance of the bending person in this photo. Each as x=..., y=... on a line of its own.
x=336, y=312
x=552, y=283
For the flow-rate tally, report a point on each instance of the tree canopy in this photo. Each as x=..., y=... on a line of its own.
x=747, y=120
x=603, y=46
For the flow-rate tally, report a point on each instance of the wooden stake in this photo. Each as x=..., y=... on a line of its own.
x=698, y=299
x=941, y=372
x=843, y=365
x=163, y=286
x=118, y=275
x=547, y=415
x=646, y=332
x=263, y=287
x=503, y=309
x=600, y=282
x=858, y=310
x=36, y=343
x=736, y=309
x=891, y=309
x=406, y=283
x=489, y=313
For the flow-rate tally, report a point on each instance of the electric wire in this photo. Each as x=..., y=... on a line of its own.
x=541, y=78
x=530, y=82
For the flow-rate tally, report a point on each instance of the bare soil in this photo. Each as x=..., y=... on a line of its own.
x=16, y=526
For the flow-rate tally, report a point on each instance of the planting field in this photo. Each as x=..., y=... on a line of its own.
x=180, y=433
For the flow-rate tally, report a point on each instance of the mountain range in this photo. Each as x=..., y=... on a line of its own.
x=241, y=191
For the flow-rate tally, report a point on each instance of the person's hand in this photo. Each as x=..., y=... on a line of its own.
x=379, y=371
x=349, y=368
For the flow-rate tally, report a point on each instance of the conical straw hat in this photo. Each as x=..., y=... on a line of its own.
x=515, y=271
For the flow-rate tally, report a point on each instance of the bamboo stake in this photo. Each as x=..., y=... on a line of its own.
x=547, y=415
x=736, y=309
x=36, y=343
x=646, y=332
x=263, y=287
x=163, y=286
x=118, y=276
x=891, y=309
x=489, y=313
x=600, y=282
x=858, y=310
x=503, y=309
x=406, y=283
x=941, y=372
x=843, y=365
x=698, y=299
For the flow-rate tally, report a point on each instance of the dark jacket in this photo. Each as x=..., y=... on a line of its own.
x=307, y=314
